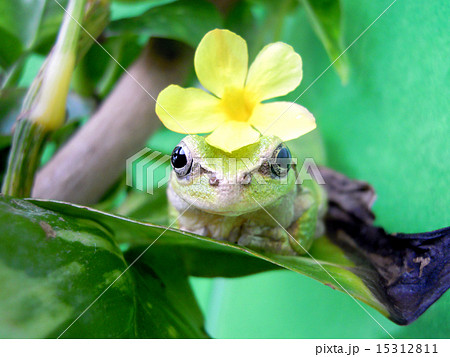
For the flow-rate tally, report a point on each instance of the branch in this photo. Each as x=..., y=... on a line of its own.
x=94, y=158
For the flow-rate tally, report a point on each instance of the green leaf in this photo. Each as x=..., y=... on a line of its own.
x=259, y=21
x=10, y=50
x=49, y=24
x=166, y=304
x=26, y=26
x=34, y=22
x=5, y=141
x=141, y=1
x=184, y=20
x=326, y=19
x=97, y=73
x=130, y=8
x=203, y=256
x=125, y=49
x=54, y=268
x=51, y=269
x=144, y=207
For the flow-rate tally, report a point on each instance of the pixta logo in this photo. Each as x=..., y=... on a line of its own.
x=148, y=169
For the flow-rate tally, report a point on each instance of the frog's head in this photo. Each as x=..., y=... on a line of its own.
x=231, y=183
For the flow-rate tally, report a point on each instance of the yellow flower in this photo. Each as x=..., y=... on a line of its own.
x=234, y=111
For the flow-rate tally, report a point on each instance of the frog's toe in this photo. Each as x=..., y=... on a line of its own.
x=267, y=245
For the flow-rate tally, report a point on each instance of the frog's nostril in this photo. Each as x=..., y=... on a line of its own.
x=246, y=179
x=214, y=181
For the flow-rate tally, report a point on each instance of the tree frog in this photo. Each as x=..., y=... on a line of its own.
x=248, y=197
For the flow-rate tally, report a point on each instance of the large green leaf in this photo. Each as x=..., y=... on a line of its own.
x=184, y=20
x=203, y=256
x=326, y=19
x=54, y=267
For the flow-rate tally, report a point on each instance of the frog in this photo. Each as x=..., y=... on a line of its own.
x=250, y=197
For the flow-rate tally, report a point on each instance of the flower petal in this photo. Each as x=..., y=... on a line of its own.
x=188, y=110
x=232, y=135
x=221, y=60
x=284, y=119
x=276, y=71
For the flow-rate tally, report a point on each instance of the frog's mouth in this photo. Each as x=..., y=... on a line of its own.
x=226, y=201
x=236, y=209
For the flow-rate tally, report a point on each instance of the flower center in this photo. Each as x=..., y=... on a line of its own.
x=237, y=103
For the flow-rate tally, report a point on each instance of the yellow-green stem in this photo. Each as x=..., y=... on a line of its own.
x=49, y=105
x=44, y=107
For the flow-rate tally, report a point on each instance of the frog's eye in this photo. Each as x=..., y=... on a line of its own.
x=281, y=161
x=181, y=160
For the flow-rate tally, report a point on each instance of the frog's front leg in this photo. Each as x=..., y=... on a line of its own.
x=284, y=238
x=267, y=240
x=312, y=204
x=304, y=230
x=293, y=240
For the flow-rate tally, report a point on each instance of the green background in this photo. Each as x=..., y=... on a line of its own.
x=389, y=125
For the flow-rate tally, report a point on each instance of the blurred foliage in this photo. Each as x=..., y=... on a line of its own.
x=326, y=18
x=185, y=20
x=26, y=27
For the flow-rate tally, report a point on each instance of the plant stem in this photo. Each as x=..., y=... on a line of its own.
x=48, y=104
x=44, y=107
x=25, y=154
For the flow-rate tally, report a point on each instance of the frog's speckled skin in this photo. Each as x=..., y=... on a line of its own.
x=227, y=189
